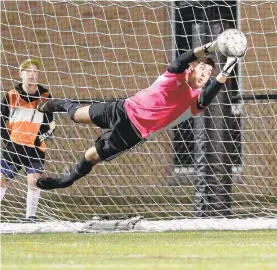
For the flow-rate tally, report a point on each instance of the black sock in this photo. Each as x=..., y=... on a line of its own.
x=82, y=168
x=71, y=108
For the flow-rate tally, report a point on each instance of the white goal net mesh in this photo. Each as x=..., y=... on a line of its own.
x=103, y=50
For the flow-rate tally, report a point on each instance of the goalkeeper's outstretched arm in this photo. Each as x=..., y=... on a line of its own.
x=182, y=62
x=209, y=93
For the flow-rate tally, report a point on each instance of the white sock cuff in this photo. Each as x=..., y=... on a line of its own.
x=2, y=192
x=33, y=196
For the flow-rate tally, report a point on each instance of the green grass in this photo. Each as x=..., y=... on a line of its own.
x=255, y=250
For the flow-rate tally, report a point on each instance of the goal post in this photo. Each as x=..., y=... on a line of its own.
x=108, y=50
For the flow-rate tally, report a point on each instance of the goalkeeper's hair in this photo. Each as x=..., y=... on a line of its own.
x=206, y=60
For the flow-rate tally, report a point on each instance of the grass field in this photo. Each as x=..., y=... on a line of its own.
x=255, y=250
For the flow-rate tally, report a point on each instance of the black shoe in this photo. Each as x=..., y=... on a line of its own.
x=30, y=219
x=48, y=183
x=53, y=105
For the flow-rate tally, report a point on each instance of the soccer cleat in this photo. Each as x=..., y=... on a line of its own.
x=53, y=105
x=48, y=183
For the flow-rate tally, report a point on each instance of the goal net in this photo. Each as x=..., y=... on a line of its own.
x=222, y=163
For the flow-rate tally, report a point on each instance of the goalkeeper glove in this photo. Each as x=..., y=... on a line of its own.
x=49, y=133
x=210, y=47
x=230, y=64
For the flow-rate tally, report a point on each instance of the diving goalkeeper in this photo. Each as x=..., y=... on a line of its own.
x=173, y=98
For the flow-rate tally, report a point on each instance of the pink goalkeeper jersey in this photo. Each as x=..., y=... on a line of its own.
x=165, y=104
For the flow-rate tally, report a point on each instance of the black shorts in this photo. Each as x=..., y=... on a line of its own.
x=16, y=156
x=121, y=136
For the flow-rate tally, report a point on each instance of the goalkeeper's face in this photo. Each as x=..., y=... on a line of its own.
x=199, y=74
x=30, y=75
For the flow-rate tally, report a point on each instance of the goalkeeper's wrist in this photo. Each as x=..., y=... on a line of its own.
x=46, y=135
x=229, y=66
x=225, y=73
x=210, y=47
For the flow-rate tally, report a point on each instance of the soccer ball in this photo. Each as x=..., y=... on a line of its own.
x=232, y=43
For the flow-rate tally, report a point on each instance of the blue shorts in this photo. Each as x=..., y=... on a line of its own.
x=16, y=157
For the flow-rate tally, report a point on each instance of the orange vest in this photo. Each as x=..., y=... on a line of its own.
x=24, y=119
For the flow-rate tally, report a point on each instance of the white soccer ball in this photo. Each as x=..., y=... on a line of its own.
x=232, y=43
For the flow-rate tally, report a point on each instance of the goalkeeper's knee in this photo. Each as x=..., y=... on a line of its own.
x=71, y=109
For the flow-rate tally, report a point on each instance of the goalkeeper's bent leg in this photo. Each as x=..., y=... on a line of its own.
x=82, y=168
x=71, y=108
x=81, y=115
x=77, y=113
x=58, y=105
